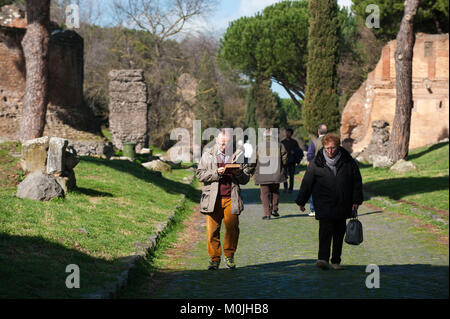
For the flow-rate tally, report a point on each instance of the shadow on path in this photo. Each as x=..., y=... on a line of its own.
x=300, y=278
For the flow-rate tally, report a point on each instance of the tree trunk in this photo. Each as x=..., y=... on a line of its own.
x=35, y=48
x=399, y=141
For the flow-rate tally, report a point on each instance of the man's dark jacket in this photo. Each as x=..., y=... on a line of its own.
x=333, y=196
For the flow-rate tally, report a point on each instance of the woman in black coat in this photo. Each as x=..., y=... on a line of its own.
x=334, y=180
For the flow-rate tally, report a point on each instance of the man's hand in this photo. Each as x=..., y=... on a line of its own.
x=302, y=208
x=355, y=207
x=220, y=170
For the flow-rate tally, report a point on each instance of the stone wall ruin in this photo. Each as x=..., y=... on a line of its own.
x=67, y=114
x=128, y=108
x=375, y=99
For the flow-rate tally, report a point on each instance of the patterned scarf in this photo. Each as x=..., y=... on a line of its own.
x=331, y=162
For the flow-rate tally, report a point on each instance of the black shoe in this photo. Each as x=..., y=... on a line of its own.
x=266, y=217
x=213, y=265
x=275, y=213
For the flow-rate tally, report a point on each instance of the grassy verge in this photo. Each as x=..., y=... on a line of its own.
x=116, y=206
x=154, y=268
x=422, y=193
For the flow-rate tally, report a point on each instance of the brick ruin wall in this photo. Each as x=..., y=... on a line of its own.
x=67, y=115
x=375, y=99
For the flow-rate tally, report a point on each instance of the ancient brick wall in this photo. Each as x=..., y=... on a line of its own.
x=375, y=99
x=67, y=115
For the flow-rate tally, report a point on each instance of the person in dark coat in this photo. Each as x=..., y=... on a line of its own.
x=334, y=180
x=295, y=155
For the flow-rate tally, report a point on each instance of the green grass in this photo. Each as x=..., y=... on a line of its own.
x=116, y=205
x=426, y=186
x=420, y=193
x=106, y=133
x=9, y=168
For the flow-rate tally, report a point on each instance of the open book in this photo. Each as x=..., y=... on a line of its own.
x=231, y=167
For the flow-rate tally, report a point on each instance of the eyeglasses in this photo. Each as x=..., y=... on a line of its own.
x=329, y=149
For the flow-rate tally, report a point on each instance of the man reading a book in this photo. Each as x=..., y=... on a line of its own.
x=221, y=200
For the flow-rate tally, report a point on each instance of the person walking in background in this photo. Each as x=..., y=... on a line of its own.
x=271, y=157
x=295, y=155
x=313, y=148
x=221, y=199
x=248, y=150
x=334, y=180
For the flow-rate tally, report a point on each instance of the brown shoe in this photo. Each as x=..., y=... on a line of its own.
x=322, y=264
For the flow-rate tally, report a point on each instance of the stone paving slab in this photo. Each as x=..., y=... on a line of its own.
x=276, y=260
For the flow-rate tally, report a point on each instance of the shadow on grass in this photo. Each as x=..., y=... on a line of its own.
x=301, y=279
x=148, y=176
x=428, y=150
x=91, y=192
x=397, y=188
x=33, y=267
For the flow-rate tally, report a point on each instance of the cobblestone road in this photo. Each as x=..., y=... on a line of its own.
x=276, y=259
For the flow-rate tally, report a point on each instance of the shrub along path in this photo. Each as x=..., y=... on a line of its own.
x=276, y=259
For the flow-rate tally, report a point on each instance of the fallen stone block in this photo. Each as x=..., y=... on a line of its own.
x=39, y=186
x=403, y=166
x=157, y=165
x=380, y=161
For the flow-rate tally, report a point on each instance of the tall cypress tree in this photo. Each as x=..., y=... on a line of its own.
x=267, y=105
x=321, y=97
x=250, y=109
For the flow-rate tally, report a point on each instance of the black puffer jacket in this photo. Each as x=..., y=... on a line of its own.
x=333, y=196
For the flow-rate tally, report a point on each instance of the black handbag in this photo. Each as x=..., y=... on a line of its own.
x=354, y=231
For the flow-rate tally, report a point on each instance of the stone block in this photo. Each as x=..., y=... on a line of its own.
x=157, y=165
x=39, y=186
x=56, y=156
x=403, y=166
x=128, y=108
x=380, y=161
x=34, y=155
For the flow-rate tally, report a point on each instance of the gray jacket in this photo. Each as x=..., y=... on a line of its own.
x=207, y=174
x=264, y=172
